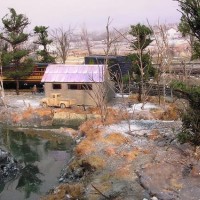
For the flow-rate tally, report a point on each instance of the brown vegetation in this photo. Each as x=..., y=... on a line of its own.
x=85, y=147
x=94, y=162
x=154, y=134
x=130, y=155
x=67, y=191
x=116, y=139
x=170, y=112
x=123, y=172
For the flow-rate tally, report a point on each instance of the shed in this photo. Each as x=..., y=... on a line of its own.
x=79, y=82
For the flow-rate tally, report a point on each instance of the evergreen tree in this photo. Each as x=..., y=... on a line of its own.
x=141, y=60
x=189, y=25
x=43, y=40
x=14, y=57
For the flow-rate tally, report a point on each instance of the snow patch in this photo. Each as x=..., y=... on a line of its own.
x=138, y=107
x=27, y=103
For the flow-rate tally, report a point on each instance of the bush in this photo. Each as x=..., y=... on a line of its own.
x=184, y=136
x=191, y=116
x=191, y=127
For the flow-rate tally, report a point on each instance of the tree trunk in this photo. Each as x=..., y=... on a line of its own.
x=17, y=87
x=159, y=94
x=140, y=92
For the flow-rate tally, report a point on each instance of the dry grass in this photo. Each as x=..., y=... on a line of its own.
x=154, y=134
x=156, y=113
x=28, y=113
x=110, y=151
x=133, y=98
x=123, y=172
x=130, y=155
x=102, y=187
x=114, y=116
x=16, y=118
x=170, y=112
x=89, y=163
x=116, y=139
x=75, y=191
x=44, y=112
x=175, y=184
x=94, y=162
x=89, y=126
x=151, y=99
x=85, y=147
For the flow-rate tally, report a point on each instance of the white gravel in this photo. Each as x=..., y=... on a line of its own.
x=23, y=100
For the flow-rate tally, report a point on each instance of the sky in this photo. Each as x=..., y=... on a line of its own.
x=93, y=14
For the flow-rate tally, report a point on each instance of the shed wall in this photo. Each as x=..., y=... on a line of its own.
x=82, y=96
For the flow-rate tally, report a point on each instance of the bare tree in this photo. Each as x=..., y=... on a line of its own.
x=112, y=38
x=163, y=57
x=85, y=38
x=100, y=91
x=62, y=40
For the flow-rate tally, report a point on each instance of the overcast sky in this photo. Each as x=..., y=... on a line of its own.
x=92, y=13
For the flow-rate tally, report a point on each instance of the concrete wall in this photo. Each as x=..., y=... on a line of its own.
x=82, y=97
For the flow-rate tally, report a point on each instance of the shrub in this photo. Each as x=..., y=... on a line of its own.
x=191, y=127
x=184, y=136
x=191, y=117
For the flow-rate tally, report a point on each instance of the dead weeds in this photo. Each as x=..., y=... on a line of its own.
x=117, y=139
x=67, y=191
x=85, y=147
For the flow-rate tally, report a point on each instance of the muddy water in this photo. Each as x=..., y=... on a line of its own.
x=41, y=158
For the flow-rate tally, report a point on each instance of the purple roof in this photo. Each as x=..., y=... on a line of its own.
x=73, y=73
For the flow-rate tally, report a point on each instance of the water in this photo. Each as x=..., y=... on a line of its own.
x=42, y=156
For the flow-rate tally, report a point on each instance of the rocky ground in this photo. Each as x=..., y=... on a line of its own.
x=138, y=159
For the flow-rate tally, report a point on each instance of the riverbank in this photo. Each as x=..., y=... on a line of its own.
x=137, y=158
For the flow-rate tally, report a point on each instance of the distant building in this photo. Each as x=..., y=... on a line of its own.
x=80, y=82
x=173, y=33
x=117, y=64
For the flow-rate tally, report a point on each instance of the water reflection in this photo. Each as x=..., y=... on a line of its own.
x=22, y=146
x=39, y=158
x=28, y=181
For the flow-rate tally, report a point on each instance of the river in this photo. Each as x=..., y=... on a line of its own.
x=42, y=155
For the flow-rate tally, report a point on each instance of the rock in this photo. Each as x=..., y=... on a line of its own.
x=9, y=168
x=61, y=179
